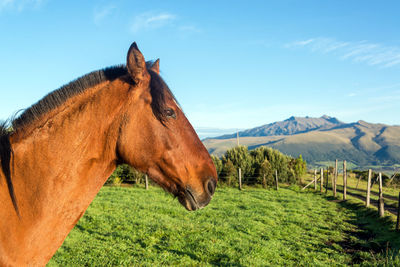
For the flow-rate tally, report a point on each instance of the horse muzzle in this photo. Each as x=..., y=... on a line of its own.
x=194, y=201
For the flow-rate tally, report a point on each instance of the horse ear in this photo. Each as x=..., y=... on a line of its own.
x=156, y=66
x=137, y=65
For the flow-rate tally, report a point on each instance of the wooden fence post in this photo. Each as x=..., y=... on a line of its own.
x=264, y=181
x=322, y=180
x=333, y=180
x=367, y=200
x=312, y=182
x=240, y=178
x=315, y=179
x=327, y=181
x=344, y=180
x=358, y=181
x=398, y=215
x=146, y=178
x=381, y=204
x=336, y=176
x=276, y=179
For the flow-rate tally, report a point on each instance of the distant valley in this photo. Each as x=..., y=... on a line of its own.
x=209, y=132
x=320, y=140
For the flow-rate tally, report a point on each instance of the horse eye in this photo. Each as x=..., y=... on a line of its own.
x=170, y=113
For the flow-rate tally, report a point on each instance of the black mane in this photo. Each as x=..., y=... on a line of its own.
x=158, y=90
x=59, y=96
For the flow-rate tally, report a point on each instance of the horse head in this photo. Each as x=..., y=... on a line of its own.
x=156, y=137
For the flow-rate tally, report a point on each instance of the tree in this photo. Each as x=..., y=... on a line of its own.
x=230, y=172
x=299, y=167
x=125, y=174
x=277, y=161
x=217, y=163
x=240, y=158
x=266, y=171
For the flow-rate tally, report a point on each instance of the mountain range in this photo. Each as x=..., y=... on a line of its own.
x=320, y=140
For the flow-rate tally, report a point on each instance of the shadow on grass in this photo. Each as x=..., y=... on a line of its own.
x=180, y=253
x=219, y=259
x=389, y=207
x=105, y=235
x=371, y=234
x=364, y=192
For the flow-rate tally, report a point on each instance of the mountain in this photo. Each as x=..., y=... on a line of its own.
x=293, y=125
x=320, y=139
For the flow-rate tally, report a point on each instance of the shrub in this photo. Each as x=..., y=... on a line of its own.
x=125, y=174
x=257, y=164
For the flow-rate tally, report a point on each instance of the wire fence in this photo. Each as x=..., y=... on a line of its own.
x=328, y=180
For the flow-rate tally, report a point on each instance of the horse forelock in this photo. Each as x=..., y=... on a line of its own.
x=160, y=91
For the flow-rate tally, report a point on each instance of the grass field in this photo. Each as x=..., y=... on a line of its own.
x=127, y=226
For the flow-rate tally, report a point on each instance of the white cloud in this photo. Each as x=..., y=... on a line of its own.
x=19, y=5
x=148, y=21
x=101, y=13
x=371, y=54
x=299, y=43
x=392, y=97
x=4, y=3
x=188, y=28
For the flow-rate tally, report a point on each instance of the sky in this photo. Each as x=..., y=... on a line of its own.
x=231, y=64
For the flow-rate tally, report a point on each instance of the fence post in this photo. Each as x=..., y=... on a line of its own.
x=327, y=181
x=367, y=200
x=308, y=185
x=315, y=179
x=398, y=215
x=240, y=178
x=322, y=180
x=333, y=179
x=264, y=181
x=381, y=204
x=358, y=181
x=344, y=180
x=276, y=179
x=336, y=176
x=146, y=179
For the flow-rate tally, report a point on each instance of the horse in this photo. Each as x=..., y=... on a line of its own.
x=57, y=154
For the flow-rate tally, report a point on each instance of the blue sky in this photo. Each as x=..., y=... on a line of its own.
x=231, y=64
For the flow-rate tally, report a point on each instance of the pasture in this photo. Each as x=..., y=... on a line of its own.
x=356, y=191
x=127, y=226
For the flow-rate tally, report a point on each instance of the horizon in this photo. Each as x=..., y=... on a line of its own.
x=247, y=66
x=210, y=132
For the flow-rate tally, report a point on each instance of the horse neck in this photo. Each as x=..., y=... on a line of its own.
x=58, y=168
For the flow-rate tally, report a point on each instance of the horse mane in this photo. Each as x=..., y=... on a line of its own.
x=59, y=96
x=158, y=90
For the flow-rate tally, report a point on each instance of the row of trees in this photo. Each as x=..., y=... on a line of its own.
x=258, y=166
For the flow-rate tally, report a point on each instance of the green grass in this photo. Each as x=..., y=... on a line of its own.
x=391, y=193
x=253, y=227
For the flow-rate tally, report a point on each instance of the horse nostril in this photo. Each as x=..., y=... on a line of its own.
x=211, y=184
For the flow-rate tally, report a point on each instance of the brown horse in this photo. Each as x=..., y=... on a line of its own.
x=61, y=151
